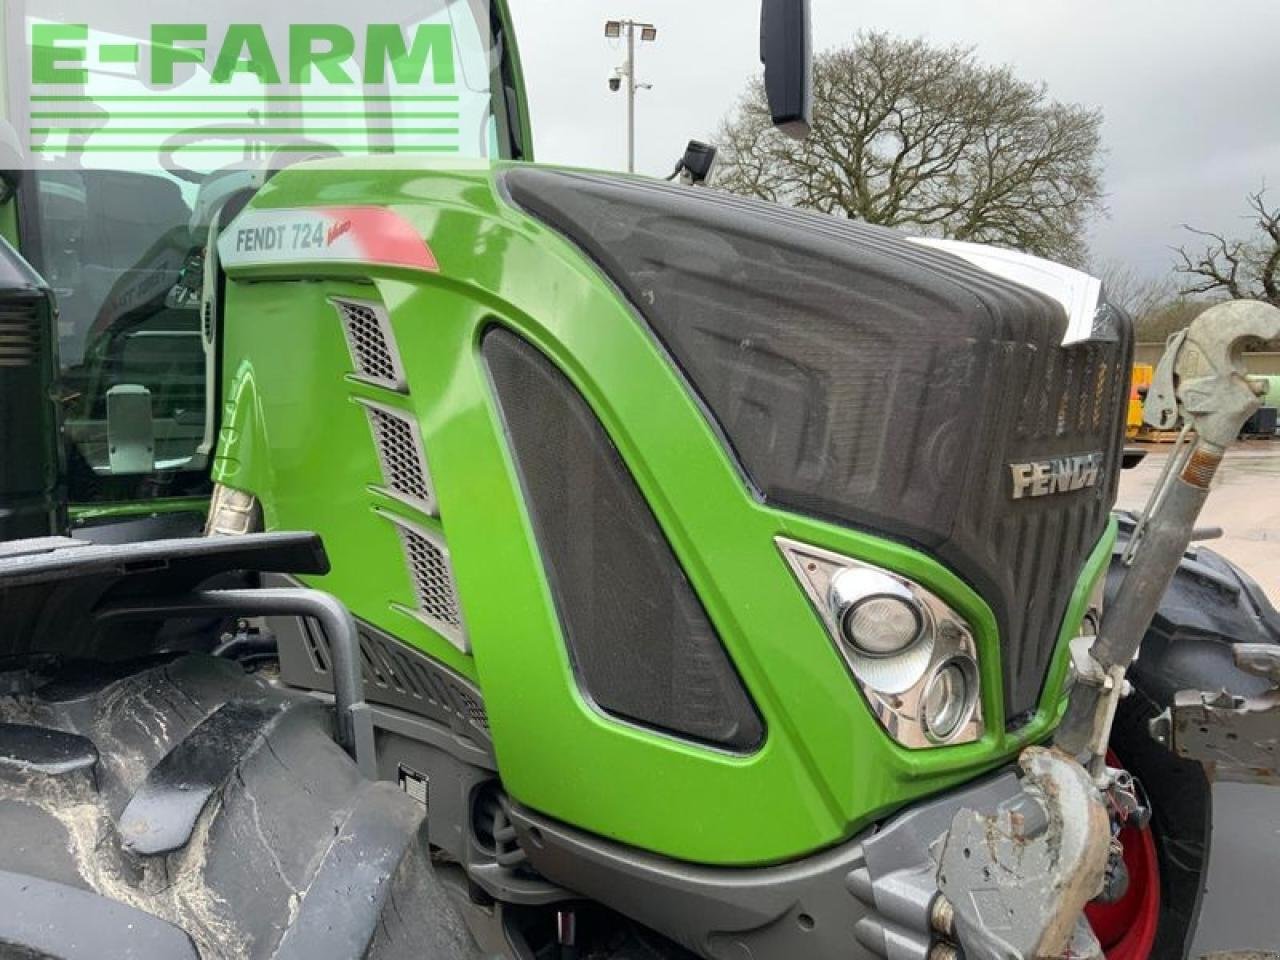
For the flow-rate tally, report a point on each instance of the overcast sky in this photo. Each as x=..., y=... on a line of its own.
x=1188, y=87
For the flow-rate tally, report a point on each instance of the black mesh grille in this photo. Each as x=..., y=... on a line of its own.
x=432, y=578
x=404, y=469
x=369, y=339
x=431, y=575
x=869, y=380
x=640, y=641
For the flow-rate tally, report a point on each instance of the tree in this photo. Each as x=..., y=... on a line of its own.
x=927, y=138
x=1238, y=269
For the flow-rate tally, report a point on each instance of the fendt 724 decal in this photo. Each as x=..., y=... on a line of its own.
x=373, y=235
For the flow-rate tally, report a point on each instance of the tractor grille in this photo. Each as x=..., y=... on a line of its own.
x=19, y=335
x=404, y=466
x=861, y=378
x=432, y=576
x=1055, y=402
x=368, y=331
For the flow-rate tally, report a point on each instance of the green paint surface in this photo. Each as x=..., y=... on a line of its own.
x=295, y=435
x=9, y=222
x=84, y=513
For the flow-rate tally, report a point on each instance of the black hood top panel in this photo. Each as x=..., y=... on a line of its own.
x=871, y=381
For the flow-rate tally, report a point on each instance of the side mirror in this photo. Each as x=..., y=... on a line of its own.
x=786, y=50
x=10, y=161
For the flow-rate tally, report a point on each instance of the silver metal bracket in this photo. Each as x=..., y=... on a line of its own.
x=1235, y=738
x=1084, y=668
x=1160, y=409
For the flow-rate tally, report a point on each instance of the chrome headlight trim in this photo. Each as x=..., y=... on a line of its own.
x=895, y=684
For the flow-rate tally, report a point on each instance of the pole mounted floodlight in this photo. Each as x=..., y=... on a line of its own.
x=648, y=33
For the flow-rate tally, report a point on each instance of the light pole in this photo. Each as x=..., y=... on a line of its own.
x=613, y=29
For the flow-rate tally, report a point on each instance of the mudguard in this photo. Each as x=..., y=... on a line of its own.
x=1217, y=896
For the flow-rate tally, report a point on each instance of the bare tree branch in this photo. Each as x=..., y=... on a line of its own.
x=1240, y=269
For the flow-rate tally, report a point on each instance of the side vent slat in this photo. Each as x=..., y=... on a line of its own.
x=373, y=347
x=394, y=674
x=431, y=574
x=19, y=337
x=404, y=465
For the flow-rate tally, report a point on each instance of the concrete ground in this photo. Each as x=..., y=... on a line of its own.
x=1245, y=503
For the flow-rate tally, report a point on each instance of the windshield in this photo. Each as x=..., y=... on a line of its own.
x=118, y=250
x=128, y=173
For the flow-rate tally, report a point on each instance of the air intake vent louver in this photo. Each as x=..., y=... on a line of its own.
x=404, y=466
x=19, y=336
x=396, y=670
x=373, y=351
x=394, y=674
x=432, y=576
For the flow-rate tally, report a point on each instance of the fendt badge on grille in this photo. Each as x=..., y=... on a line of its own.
x=1041, y=478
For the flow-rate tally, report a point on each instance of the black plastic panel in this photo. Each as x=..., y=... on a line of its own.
x=31, y=473
x=872, y=381
x=51, y=589
x=394, y=674
x=640, y=642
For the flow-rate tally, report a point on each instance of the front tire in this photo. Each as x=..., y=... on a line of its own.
x=219, y=804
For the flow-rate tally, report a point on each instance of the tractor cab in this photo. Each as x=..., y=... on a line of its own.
x=115, y=198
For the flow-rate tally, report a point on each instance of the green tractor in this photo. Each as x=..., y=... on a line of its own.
x=723, y=579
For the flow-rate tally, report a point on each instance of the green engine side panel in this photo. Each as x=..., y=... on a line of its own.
x=295, y=436
x=9, y=222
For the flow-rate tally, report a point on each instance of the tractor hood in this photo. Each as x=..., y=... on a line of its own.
x=880, y=383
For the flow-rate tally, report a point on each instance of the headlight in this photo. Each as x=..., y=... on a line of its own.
x=912, y=655
x=949, y=698
x=878, y=616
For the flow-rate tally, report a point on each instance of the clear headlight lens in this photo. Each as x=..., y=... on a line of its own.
x=948, y=699
x=877, y=615
x=881, y=626
x=912, y=655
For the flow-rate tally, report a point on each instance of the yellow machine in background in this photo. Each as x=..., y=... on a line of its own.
x=1140, y=384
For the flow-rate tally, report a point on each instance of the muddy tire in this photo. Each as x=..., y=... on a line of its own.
x=186, y=808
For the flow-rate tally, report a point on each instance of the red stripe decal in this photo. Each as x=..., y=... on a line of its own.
x=380, y=235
